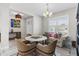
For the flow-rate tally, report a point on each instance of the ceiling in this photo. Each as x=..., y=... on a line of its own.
x=38, y=8
x=14, y=12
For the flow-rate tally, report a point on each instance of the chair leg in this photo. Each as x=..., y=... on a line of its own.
x=17, y=54
x=54, y=54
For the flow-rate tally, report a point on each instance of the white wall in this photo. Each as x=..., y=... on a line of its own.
x=72, y=21
x=29, y=25
x=44, y=25
x=23, y=26
x=4, y=17
x=37, y=25
x=33, y=25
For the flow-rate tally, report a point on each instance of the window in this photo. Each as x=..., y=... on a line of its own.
x=59, y=24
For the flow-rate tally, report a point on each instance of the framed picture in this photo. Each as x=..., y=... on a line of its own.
x=12, y=22
x=15, y=23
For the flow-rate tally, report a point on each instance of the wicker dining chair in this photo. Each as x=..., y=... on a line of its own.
x=46, y=49
x=25, y=48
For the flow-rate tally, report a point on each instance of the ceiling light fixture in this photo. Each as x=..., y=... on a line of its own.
x=47, y=13
x=18, y=16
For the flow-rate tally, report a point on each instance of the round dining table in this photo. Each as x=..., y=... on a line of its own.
x=36, y=38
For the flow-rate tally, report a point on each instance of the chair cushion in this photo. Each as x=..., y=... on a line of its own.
x=48, y=42
x=44, y=48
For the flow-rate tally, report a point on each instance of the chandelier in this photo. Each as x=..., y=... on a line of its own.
x=47, y=13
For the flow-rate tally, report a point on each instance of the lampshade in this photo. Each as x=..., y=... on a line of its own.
x=18, y=16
